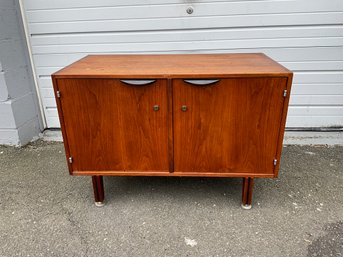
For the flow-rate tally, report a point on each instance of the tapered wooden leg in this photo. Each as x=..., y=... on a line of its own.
x=248, y=185
x=98, y=187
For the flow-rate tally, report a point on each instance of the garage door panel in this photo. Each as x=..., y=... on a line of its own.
x=334, y=53
x=317, y=89
x=48, y=102
x=56, y=60
x=186, y=35
x=53, y=122
x=313, y=111
x=306, y=38
x=114, y=12
x=314, y=121
x=314, y=65
x=189, y=45
x=47, y=93
x=315, y=77
x=306, y=100
x=47, y=71
x=187, y=23
x=62, y=4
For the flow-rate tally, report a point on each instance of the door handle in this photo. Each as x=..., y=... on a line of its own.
x=137, y=82
x=201, y=82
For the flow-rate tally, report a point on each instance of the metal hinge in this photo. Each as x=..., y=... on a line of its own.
x=285, y=93
x=70, y=159
x=275, y=162
x=58, y=93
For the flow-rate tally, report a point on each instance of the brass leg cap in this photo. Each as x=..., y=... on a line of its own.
x=99, y=204
x=246, y=206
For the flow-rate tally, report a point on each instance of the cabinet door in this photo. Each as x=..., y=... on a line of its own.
x=113, y=126
x=231, y=126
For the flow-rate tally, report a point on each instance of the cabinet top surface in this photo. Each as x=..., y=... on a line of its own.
x=176, y=65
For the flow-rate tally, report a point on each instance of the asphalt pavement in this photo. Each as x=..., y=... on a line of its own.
x=46, y=212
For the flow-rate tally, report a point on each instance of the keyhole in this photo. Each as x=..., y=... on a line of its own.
x=156, y=108
x=184, y=108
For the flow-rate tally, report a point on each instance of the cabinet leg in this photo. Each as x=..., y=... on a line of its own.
x=98, y=188
x=248, y=185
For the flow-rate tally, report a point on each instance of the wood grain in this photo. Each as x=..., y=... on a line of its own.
x=112, y=126
x=170, y=126
x=173, y=66
x=230, y=127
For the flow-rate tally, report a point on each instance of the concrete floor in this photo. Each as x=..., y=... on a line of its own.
x=46, y=212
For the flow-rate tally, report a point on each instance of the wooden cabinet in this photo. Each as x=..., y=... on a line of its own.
x=173, y=115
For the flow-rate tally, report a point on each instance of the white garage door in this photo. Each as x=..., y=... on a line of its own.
x=305, y=36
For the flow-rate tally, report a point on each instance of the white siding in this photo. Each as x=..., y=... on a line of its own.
x=305, y=36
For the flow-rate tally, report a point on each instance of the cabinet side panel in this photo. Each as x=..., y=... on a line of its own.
x=61, y=119
x=283, y=124
x=229, y=127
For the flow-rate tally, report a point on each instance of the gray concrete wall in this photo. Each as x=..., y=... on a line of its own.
x=20, y=119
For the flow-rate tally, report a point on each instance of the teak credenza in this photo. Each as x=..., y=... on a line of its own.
x=203, y=115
